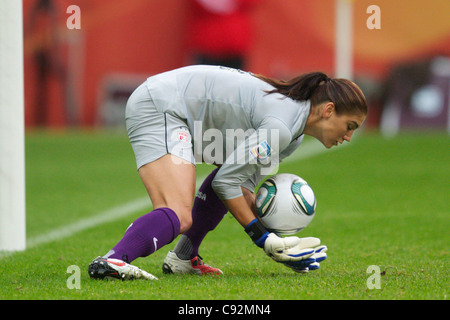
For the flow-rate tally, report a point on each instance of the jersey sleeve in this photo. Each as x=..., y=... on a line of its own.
x=251, y=183
x=255, y=179
x=258, y=155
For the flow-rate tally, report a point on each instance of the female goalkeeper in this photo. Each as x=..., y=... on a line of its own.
x=245, y=124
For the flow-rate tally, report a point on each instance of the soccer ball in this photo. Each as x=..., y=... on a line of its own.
x=285, y=204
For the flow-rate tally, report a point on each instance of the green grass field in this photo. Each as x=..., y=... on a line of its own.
x=381, y=203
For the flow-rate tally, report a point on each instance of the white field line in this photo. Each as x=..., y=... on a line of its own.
x=310, y=149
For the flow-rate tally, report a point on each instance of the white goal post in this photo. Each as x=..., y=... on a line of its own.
x=343, y=57
x=12, y=128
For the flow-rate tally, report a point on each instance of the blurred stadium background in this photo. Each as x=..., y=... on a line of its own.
x=82, y=77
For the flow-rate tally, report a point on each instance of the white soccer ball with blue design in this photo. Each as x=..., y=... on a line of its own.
x=285, y=204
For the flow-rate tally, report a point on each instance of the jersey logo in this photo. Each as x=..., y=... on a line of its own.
x=261, y=152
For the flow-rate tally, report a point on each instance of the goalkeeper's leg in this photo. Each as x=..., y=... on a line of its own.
x=143, y=237
x=207, y=212
x=172, y=215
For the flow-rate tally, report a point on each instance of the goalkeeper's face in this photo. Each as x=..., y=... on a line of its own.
x=336, y=128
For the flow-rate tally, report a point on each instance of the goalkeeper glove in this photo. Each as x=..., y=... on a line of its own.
x=299, y=254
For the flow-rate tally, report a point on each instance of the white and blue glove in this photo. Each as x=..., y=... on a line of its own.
x=299, y=254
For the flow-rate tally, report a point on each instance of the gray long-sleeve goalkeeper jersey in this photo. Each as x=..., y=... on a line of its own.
x=232, y=120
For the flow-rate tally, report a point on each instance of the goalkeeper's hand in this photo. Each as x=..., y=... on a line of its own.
x=299, y=254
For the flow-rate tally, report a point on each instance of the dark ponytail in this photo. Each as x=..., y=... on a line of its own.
x=318, y=87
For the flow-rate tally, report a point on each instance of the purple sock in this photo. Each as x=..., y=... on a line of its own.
x=147, y=234
x=207, y=212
